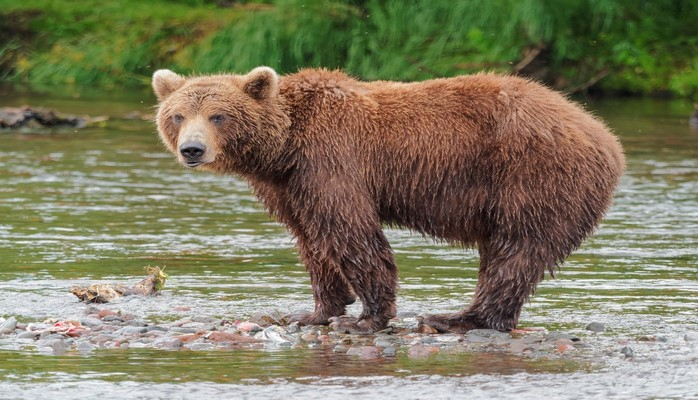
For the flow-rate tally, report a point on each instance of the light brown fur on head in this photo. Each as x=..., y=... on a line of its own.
x=497, y=162
x=237, y=119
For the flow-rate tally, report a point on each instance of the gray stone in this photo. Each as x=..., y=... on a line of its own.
x=488, y=333
x=389, y=352
x=628, y=352
x=204, y=319
x=57, y=345
x=168, y=343
x=200, y=346
x=178, y=329
x=596, y=327
x=131, y=330
x=91, y=322
x=85, y=347
x=112, y=318
x=28, y=335
x=691, y=336
x=136, y=322
x=9, y=325
x=160, y=328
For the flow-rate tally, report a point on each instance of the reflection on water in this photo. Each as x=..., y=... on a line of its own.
x=100, y=204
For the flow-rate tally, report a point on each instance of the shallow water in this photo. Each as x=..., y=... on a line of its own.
x=100, y=204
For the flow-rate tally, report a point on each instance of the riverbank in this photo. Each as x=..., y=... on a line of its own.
x=614, y=47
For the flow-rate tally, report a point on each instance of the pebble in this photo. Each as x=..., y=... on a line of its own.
x=276, y=335
x=364, y=352
x=199, y=346
x=91, y=322
x=107, y=329
x=389, y=352
x=421, y=351
x=85, y=347
x=28, y=335
x=596, y=327
x=168, y=343
x=8, y=326
x=131, y=330
x=628, y=352
x=56, y=345
x=691, y=336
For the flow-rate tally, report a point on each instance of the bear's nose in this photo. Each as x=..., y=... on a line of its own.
x=191, y=150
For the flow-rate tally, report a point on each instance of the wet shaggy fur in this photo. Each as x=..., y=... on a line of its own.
x=497, y=162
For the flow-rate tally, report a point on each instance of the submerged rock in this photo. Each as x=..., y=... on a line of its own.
x=9, y=325
x=596, y=327
x=34, y=117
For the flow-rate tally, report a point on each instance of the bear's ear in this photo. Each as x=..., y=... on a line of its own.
x=165, y=82
x=261, y=83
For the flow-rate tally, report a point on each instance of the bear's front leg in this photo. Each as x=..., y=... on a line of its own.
x=339, y=225
x=368, y=265
x=330, y=290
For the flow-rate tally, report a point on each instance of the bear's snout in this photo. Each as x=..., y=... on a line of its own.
x=192, y=152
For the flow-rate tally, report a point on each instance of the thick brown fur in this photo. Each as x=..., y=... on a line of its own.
x=497, y=162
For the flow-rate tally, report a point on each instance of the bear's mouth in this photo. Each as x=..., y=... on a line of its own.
x=193, y=164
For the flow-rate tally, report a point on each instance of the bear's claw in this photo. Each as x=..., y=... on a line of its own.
x=348, y=324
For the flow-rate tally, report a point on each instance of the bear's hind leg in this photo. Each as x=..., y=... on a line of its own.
x=509, y=273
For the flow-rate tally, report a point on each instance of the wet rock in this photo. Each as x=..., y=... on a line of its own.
x=647, y=338
x=204, y=319
x=364, y=352
x=247, y=326
x=85, y=347
x=421, y=351
x=178, y=329
x=276, y=335
x=35, y=117
x=160, y=328
x=628, y=352
x=55, y=345
x=340, y=348
x=389, y=352
x=28, y=335
x=489, y=333
x=131, y=330
x=691, y=337
x=91, y=322
x=519, y=346
x=8, y=326
x=167, y=343
x=218, y=337
x=310, y=337
x=564, y=345
x=293, y=328
x=200, y=346
x=266, y=320
x=596, y=327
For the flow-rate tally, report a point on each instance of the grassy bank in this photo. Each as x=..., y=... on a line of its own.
x=605, y=46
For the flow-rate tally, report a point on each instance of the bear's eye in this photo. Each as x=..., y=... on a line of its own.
x=217, y=118
x=177, y=118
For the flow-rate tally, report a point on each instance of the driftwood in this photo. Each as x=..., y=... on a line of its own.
x=32, y=117
x=104, y=293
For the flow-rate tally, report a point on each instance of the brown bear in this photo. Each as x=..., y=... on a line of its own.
x=497, y=162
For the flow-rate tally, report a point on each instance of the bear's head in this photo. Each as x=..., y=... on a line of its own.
x=224, y=123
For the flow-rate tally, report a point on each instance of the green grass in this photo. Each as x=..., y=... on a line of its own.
x=614, y=46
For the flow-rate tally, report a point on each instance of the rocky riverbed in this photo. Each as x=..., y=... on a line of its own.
x=109, y=328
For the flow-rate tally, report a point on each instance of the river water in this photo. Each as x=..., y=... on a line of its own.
x=99, y=204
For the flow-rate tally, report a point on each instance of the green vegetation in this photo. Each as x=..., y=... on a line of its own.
x=608, y=46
